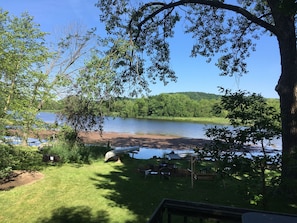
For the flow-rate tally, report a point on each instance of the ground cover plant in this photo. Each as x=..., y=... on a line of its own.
x=114, y=192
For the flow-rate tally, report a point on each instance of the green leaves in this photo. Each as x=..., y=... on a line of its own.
x=23, y=55
x=220, y=30
x=252, y=111
x=253, y=122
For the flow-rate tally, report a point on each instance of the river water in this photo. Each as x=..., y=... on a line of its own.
x=144, y=126
x=132, y=125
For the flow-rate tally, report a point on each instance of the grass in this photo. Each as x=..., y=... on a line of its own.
x=111, y=192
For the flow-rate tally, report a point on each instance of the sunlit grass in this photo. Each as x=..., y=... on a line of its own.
x=110, y=192
x=66, y=186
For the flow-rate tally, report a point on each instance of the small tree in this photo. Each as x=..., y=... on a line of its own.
x=23, y=53
x=253, y=122
x=34, y=71
x=96, y=85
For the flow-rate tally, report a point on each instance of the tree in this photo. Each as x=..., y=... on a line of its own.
x=96, y=85
x=220, y=29
x=23, y=54
x=69, y=60
x=33, y=71
x=253, y=122
x=142, y=105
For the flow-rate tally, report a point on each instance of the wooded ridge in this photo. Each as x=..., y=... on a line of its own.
x=180, y=104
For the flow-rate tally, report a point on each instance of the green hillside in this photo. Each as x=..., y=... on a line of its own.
x=199, y=95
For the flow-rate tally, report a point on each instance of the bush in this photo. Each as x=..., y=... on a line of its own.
x=70, y=149
x=5, y=172
x=68, y=134
x=7, y=156
x=18, y=158
x=29, y=159
x=68, y=152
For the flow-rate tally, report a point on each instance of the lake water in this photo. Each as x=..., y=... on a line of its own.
x=134, y=126
x=131, y=125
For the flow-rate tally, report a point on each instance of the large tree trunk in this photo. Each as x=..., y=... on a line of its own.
x=287, y=90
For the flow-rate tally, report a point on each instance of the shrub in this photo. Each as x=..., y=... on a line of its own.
x=18, y=158
x=29, y=159
x=68, y=152
x=5, y=172
x=70, y=149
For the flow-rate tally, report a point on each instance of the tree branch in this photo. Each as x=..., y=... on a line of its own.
x=212, y=3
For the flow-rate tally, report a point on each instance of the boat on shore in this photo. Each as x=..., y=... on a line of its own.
x=114, y=154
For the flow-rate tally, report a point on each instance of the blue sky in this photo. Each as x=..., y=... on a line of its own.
x=194, y=74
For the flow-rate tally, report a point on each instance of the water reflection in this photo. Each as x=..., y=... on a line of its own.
x=143, y=126
x=148, y=153
x=14, y=140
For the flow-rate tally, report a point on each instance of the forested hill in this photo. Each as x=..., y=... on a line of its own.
x=179, y=104
x=199, y=95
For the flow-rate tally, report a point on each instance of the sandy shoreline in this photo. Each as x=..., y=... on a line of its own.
x=142, y=140
x=116, y=139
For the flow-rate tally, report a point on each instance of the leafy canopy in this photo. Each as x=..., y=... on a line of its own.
x=217, y=28
x=252, y=118
x=23, y=84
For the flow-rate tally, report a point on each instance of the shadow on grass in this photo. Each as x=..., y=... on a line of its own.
x=126, y=187
x=75, y=215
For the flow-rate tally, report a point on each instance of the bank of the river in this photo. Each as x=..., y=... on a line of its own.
x=142, y=140
x=201, y=120
x=116, y=139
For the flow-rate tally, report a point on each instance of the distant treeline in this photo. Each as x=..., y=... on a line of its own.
x=184, y=104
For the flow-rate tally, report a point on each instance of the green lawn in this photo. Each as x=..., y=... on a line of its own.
x=110, y=192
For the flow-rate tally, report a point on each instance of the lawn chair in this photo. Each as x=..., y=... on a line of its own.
x=165, y=172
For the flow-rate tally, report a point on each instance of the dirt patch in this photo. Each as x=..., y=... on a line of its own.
x=19, y=178
x=142, y=140
x=115, y=139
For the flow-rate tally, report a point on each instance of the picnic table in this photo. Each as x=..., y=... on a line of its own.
x=164, y=169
